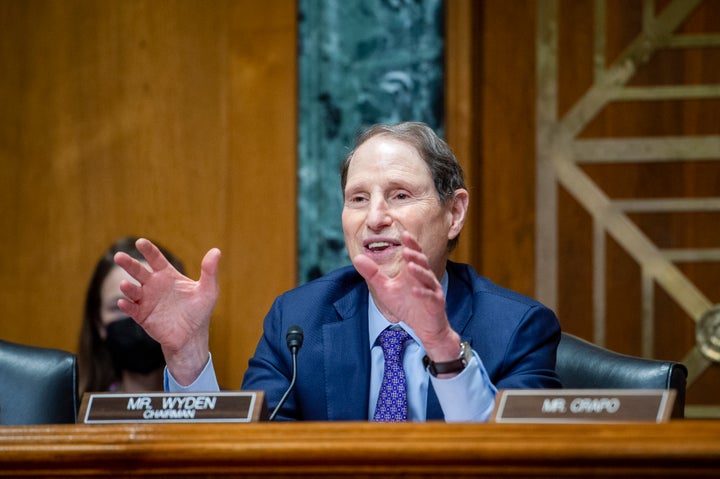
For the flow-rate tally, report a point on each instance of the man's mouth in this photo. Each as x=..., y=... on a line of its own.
x=377, y=246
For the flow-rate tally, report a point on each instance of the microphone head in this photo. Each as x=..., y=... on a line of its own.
x=294, y=337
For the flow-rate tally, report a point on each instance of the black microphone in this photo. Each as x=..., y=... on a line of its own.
x=294, y=338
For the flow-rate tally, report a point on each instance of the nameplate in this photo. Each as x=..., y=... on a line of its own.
x=107, y=408
x=583, y=405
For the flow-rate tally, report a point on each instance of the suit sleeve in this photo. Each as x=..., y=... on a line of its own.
x=270, y=367
x=529, y=358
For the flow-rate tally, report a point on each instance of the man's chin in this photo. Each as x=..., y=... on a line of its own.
x=390, y=270
x=389, y=265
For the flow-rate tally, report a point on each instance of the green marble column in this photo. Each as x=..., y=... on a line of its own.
x=361, y=62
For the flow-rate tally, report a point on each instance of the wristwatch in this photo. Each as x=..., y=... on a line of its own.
x=454, y=366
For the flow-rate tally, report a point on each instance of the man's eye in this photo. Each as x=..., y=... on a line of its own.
x=402, y=196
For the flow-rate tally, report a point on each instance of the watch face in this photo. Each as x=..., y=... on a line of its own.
x=465, y=352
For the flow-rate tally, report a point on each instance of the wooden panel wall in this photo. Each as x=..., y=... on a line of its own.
x=176, y=120
x=673, y=328
x=490, y=123
x=491, y=120
x=173, y=120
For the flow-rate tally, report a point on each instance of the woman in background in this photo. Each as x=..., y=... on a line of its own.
x=115, y=353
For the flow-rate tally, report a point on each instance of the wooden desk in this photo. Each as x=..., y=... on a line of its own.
x=676, y=449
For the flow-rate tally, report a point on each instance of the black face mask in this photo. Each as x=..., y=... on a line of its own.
x=132, y=349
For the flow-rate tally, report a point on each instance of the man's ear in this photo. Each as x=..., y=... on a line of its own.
x=458, y=212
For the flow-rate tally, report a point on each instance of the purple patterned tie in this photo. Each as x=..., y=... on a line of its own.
x=392, y=401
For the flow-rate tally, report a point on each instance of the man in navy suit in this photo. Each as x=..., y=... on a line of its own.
x=405, y=204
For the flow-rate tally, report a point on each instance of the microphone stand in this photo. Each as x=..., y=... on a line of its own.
x=294, y=341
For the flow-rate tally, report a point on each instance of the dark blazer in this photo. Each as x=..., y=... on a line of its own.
x=515, y=337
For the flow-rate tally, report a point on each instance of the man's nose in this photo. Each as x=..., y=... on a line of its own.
x=378, y=214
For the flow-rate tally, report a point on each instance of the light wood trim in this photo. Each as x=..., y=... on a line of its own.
x=675, y=449
x=459, y=112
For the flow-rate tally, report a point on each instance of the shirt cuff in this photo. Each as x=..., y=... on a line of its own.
x=205, y=382
x=467, y=397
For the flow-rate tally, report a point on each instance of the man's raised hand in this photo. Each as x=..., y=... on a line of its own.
x=171, y=307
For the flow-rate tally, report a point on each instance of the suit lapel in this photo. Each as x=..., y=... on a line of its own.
x=459, y=300
x=347, y=381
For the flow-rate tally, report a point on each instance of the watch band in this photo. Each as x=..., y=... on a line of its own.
x=454, y=366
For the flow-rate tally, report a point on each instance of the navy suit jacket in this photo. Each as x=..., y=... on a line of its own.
x=516, y=338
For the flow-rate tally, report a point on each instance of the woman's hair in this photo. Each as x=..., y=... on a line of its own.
x=446, y=172
x=95, y=366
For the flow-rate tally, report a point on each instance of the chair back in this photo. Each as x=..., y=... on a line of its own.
x=584, y=365
x=37, y=385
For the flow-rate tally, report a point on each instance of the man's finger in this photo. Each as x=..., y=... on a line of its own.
x=132, y=266
x=152, y=254
x=132, y=291
x=128, y=307
x=367, y=268
x=424, y=276
x=412, y=256
x=209, y=268
x=409, y=241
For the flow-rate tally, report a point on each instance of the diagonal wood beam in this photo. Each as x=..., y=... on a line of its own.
x=655, y=35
